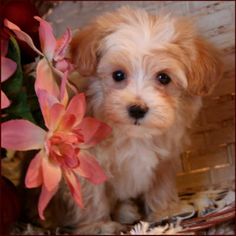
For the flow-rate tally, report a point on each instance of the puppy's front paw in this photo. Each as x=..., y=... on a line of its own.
x=126, y=212
x=101, y=228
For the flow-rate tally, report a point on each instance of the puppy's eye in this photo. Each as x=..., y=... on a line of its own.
x=118, y=75
x=163, y=78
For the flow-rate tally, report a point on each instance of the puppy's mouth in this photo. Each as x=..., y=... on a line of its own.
x=137, y=122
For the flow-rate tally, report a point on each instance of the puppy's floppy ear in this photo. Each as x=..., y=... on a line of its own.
x=84, y=49
x=205, y=68
x=86, y=45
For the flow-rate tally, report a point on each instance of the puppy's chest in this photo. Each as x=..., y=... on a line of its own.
x=130, y=165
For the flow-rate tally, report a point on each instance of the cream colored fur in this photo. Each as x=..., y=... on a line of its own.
x=140, y=159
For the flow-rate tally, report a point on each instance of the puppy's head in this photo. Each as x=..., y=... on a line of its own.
x=144, y=66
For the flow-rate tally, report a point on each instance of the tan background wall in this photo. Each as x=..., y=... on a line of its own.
x=210, y=158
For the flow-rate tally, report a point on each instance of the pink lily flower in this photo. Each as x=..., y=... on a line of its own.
x=8, y=68
x=63, y=148
x=53, y=64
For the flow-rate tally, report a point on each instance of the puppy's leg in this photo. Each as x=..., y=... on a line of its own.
x=162, y=191
x=126, y=212
x=101, y=228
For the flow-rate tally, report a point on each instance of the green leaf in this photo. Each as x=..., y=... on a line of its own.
x=14, y=88
x=33, y=102
x=13, y=85
x=20, y=108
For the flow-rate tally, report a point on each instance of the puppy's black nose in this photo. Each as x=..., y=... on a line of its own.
x=137, y=112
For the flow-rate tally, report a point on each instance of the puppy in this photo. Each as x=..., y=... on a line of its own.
x=145, y=77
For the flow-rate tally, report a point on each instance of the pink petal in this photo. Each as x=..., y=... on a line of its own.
x=8, y=68
x=63, y=137
x=52, y=80
x=62, y=45
x=45, y=78
x=62, y=65
x=74, y=187
x=90, y=168
x=63, y=92
x=4, y=100
x=22, y=135
x=21, y=35
x=93, y=131
x=44, y=199
x=55, y=115
x=77, y=107
x=71, y=161
x=4, y=46
x=67, y=122
x=51, y=174
x=46, y=101
x=65, y=67
x=34, y=176
x=47, y=39
x=69, y=155
x=72, y=87
x=63, y=79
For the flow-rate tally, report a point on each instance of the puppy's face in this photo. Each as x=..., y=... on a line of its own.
x=143, y=67
x=138, y=86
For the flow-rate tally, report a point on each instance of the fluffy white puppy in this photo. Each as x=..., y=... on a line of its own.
x=146, y=75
